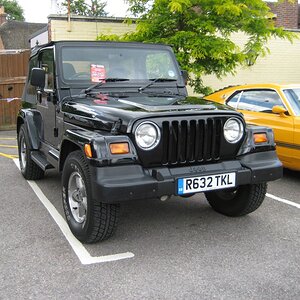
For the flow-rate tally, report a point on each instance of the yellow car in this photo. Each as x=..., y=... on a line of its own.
x=273, y=105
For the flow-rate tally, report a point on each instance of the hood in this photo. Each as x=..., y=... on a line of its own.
x=103, y=111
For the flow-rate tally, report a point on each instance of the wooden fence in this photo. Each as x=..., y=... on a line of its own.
x=13, y=71
x=13, y=64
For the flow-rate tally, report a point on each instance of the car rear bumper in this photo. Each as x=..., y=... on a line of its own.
x=132, y=182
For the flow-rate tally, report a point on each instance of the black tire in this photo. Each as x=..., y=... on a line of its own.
x=89, y=220
x=239, y=202
x=29, y=169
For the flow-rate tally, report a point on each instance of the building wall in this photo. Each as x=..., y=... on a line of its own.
x=2, y=20
x=3, y=15
x=80, y=28
x=282, y=65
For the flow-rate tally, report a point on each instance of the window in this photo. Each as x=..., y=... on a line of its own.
x=293, y=96
x=47, y=63
x=234, y=100
x=30, y=91
x=117, y=62
x=256, y=100
x=160, y=65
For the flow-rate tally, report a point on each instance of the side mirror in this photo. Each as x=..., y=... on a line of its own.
x=38, y=77
x=277, y=109
x=185, y=76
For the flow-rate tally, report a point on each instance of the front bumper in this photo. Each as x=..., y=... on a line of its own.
x=113, y=184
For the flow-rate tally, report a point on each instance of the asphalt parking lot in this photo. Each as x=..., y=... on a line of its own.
x=178, y=249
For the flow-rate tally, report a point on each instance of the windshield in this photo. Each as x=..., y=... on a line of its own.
x=293, y=96
x=98, y=64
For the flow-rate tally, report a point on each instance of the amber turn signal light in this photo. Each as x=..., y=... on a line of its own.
x=260, y=138
x=119, y=148
x=88, y=150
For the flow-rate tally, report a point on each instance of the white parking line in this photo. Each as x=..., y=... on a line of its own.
x=283, y=200
x=83, y=255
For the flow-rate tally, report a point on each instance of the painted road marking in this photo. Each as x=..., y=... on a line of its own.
x=11, y=156
x=8, y=146
x=283, y=200
x=81, y=252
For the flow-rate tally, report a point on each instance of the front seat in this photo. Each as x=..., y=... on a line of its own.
x=68, y=70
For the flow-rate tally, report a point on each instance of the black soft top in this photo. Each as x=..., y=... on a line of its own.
x=36, y=49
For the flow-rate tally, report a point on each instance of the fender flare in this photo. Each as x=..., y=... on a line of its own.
x=72, y=139
x=32, y=120
x=77, y=138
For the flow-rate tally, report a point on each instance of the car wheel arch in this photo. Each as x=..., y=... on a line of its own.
x=33, y=124
x=67, y=147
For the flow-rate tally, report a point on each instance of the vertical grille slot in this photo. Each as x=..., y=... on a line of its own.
x=201, y=139
x=208, y=138
x=188, y=141
x=217, y=139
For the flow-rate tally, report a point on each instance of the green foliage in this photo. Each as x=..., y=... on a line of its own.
x=80, y=7
x=200, y=32
x=13, y=10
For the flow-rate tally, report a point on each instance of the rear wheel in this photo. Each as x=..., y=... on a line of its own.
x=29, y=169
x=89, y=220
x=237, y=202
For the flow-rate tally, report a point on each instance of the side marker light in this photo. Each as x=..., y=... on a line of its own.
x=260, y=138
x=88, y=150
x=119, y=148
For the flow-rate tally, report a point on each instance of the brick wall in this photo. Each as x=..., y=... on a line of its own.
x=2, y=15
x=287, y=14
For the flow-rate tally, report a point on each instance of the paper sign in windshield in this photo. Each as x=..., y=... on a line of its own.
x=98, y=73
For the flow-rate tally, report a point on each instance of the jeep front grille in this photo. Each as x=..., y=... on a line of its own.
x=191, y=141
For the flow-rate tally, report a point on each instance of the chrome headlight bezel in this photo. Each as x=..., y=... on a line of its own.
x=150, y=130
x=233, y=130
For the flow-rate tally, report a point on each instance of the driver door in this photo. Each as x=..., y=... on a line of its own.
x=47, y=104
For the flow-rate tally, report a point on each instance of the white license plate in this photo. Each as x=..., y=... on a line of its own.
x=205, y=183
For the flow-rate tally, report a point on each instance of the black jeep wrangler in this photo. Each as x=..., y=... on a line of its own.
x=116, y=120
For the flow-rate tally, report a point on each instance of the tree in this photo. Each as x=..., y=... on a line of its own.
x=201, y=31
x=82, y=8
x=13, y=9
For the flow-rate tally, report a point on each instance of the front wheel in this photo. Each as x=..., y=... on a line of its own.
x=237, y=202
x=89, y=219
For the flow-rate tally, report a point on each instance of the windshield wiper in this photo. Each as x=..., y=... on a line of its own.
x=159, y=79
x=114, y=79
x=98, y=84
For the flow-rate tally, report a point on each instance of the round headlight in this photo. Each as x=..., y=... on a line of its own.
x=147, y=135
x=233, y=130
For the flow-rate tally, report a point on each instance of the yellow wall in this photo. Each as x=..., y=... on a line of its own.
x=282, y=65
x=86, y=29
